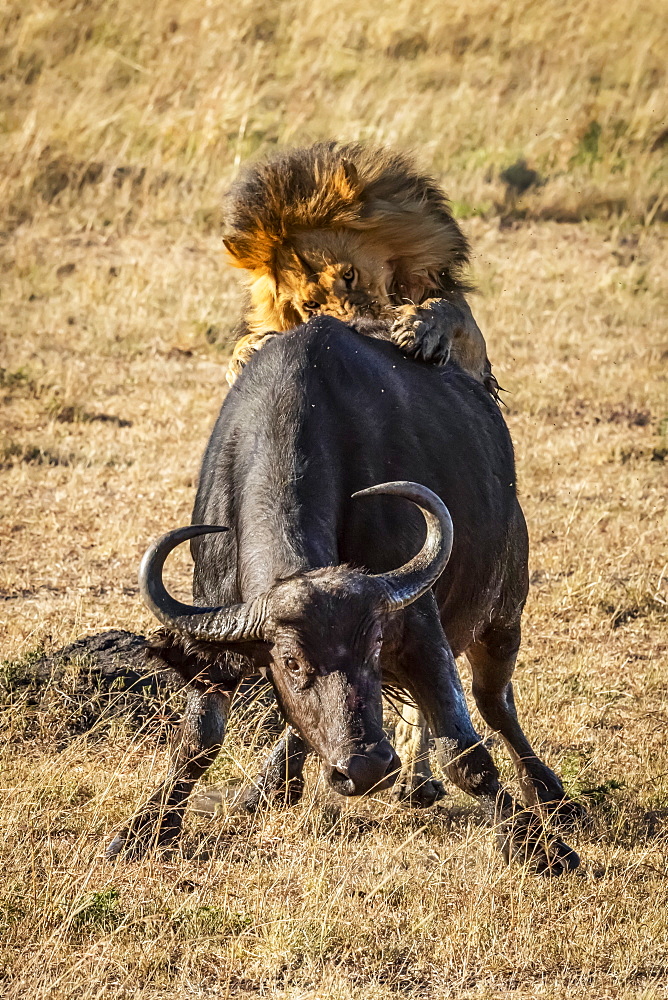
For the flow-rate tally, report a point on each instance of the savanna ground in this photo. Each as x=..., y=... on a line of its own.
x=121, y=126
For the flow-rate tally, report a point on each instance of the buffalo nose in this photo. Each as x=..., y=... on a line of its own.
x=372, y=766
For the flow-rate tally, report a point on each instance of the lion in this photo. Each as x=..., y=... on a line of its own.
x=355, y=232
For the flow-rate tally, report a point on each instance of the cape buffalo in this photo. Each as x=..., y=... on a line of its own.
x=304, y=584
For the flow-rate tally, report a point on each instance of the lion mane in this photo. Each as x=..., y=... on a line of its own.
x=371, y=195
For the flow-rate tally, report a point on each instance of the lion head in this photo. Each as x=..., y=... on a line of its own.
x=343, y=229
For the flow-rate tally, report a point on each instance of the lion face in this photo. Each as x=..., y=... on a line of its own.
x=340, y=229
x=333, y=273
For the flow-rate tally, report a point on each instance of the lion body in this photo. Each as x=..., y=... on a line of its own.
x=351, y=231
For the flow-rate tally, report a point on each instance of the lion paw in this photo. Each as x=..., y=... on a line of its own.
x=427, y=331
x=243, y=352
x=234, y=367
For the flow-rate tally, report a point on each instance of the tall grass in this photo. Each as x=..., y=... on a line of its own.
x=114, y=114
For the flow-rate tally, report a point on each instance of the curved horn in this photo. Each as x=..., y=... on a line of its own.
x=410, y=581
x=238, y=623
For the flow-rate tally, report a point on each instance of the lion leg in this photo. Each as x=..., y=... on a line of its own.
x=415, y=786
x=243, y=352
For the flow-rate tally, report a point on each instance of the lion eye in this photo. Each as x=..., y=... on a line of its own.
x=311, y=305
x=349, y=275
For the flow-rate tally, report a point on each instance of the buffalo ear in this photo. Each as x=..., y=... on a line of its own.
x=256, y=650
x=199, y=662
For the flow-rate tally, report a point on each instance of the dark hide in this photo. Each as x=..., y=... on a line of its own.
x=316, y=416
x=324, y=412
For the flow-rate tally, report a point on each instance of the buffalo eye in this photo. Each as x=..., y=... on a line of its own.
x=311, y=305
x=292, y=664
x=349, y=275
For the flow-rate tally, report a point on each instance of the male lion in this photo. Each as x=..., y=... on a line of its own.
x=354, y=232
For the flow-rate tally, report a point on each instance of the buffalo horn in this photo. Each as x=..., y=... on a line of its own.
x=237, y=623
x=410, y=581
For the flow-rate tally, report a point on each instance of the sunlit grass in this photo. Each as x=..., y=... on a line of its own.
x=110, y=110
x=121, y=127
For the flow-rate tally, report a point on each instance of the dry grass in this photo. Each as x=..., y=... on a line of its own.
x=125, y=114
x=114, y=315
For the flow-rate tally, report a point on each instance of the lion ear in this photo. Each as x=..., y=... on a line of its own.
x=234, y=252
x=347, y=181
x=252, y=254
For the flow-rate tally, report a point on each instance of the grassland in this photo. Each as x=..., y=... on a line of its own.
x=121, y=126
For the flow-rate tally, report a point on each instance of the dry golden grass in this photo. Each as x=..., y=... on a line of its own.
x=124, y=114
x=114, y=304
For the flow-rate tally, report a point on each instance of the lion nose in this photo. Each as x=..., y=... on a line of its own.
x=372, y=766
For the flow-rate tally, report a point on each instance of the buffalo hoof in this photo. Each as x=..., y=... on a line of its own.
x=261, y=795
x=524, y=840
x=115, y=847
x=143, y=836
x=568, y=815
x=418, y=792
x=127, y=847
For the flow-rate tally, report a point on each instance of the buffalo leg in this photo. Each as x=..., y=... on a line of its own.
x=196, y=747
x=281, y=779
x=415, y=786
x=492, y=661
x=430, y=673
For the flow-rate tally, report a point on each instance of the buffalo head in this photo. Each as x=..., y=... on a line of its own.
x=319, y=634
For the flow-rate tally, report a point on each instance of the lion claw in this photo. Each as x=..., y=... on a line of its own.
x=243, y=352
x=427, y=331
